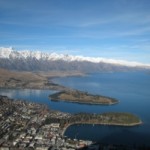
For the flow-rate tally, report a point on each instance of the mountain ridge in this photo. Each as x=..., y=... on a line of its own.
x=39, y=61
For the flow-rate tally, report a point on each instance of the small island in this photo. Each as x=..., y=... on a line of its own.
x=82, y=97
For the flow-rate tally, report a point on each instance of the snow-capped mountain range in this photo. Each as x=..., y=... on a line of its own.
x=37, y=56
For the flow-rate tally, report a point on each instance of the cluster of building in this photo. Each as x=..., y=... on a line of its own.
x=23, y=126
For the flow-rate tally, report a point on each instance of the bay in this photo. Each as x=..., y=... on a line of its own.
x=132, y=89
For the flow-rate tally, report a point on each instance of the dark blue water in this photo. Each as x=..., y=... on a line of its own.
x=132, y=89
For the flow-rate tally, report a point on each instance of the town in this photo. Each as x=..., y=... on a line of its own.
x=28, y=125
x=23, y=126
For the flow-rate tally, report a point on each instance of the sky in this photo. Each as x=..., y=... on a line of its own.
x=117, y=29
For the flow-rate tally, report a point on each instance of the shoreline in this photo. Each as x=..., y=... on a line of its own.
x=77, y=102
x=102, y=124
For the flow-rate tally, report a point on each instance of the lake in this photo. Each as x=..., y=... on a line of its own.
x=132, y=89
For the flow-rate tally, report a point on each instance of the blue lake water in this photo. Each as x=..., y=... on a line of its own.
x=132, y=89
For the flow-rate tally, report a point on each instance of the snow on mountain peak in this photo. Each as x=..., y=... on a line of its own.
x=5, y=52
x=9, y=53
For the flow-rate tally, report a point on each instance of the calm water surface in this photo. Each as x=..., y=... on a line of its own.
x=131, y=89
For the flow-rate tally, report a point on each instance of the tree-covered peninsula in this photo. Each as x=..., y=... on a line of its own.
x=110, y=118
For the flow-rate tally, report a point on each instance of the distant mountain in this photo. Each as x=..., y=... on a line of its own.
x=39, y=61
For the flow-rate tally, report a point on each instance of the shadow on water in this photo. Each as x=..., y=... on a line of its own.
x=127, y=137
x=123, y=140
x=118, y=135
x=104, y=146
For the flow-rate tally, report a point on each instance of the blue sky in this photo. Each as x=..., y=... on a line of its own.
x=118, y=29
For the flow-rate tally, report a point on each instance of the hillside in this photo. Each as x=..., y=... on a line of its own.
x=32, y=80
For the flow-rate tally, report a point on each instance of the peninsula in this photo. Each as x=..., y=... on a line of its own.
x=82, y=97
x=110, y=118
